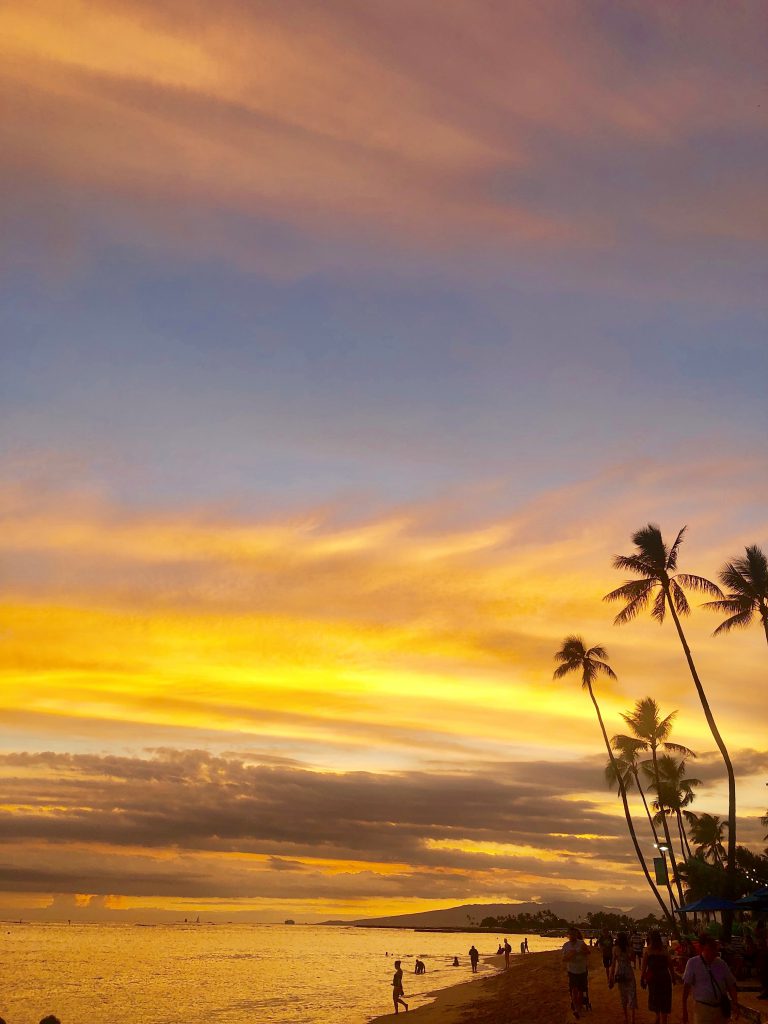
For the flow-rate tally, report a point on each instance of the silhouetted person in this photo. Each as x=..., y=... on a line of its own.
x=526, y=944
x=507, y=951
x=605, y=942
x=397, y=988
x=50, y=1019
x=575, y=953
x=455, y=962
x=474, y=956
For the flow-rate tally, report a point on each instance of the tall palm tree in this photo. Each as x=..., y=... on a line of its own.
x=656, y=565
x=647, y=725
x=592, y=662
x=676, y=794
x=626, y=749
x=707, y=835
x=746, y=583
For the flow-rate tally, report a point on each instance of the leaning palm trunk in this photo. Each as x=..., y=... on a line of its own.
x=672, y=901
x=651, y=822
x=665, y=826
x=718, y=740
x=685, y=846
x=628, y=815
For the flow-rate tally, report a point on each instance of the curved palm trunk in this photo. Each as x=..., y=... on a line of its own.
x=665, y=826
x=672, y=901
x=647, y=808
x=630, y=825
x=717, y=738
x=731, y=865
x=685, y=846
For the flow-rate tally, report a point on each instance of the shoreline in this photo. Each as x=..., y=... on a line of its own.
x=534, y=991
x=489, y=996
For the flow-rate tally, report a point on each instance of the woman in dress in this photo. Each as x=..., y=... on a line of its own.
x=658, y=975
x=622, y=974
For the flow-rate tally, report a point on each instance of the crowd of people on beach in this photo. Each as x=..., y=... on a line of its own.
x=696, y=962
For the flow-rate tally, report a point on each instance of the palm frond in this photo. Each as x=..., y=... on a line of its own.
x=632, y=590
x=650, y=545
x=674, y=550
x=634, y=563
x=632, y=610
x=563, y=670
x=659, y=609
x=597, y=652
x=739, y=621
x=572, y=649
x=681, y=601
x=600, y=666
x=699, y=584
x=747, y=577
x=731, y=605
x=678, y=748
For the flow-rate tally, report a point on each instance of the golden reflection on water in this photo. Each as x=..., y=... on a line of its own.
x=223, y=974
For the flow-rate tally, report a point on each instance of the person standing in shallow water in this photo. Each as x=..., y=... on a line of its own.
x=507, y=951
x=474, y=956
x=397, y=988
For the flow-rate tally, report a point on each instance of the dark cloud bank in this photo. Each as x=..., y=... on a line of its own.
x=104, y=824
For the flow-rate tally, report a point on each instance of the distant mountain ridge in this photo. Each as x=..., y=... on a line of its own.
x=472, y=914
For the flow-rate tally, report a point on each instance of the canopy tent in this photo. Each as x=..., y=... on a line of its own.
x=757, y=900
x=707, y=904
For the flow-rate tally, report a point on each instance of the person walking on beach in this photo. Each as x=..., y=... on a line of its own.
x=605, y=942
x=710, y=979
x=507, y=951
x=623, y=975
x=575, y=953
x=474, y=956
x=397, y=988
x=657, y=974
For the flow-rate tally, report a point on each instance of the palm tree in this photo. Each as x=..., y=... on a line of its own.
x=707, y=835
x=656, y=566
x=647, y=725
x=592, y=662
x=746, y=583
x=676, y=795
x=625, y=762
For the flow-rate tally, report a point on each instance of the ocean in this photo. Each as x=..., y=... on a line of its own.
x=225, y=974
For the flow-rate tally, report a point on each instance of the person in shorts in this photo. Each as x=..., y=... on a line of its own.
x=575, y=957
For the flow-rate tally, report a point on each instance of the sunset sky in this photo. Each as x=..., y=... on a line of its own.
x=344, y=345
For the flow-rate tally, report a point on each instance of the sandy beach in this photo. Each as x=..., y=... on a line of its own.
x=534, y=991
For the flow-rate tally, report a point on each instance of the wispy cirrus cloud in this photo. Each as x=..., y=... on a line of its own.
x=443, y=127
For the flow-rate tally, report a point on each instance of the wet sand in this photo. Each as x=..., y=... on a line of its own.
x=534, y=991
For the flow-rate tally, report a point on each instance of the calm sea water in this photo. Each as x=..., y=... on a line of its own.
x=224, y=974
